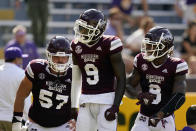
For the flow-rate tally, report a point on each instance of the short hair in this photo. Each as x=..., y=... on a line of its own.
x=18, y=28
x=10, y=60
x=191, y=115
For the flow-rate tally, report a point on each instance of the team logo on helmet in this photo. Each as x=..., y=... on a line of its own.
x=78, y=49
x=41, y=76
x=144, y=67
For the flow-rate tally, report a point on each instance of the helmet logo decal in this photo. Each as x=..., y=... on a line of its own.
x=41, y=76
x=78, y=49
x=144, y=67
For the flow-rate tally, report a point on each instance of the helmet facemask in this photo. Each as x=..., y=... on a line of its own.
x=153, y=50
x=85, y=33
x=58, y=67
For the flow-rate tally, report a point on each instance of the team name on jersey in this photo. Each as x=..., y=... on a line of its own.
x=154, y=78
x=89, y=57
x=55, y=87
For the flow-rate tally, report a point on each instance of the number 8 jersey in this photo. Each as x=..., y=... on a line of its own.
x=51, y=95
x=158, y=80
x=96, y=69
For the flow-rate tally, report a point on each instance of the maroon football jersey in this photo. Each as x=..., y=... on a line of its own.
x=158, y=80
x=95, y=65
x=51, y=94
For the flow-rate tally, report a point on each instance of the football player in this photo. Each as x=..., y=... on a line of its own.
x=97, y=62
x=162, y=79
x=50, y=83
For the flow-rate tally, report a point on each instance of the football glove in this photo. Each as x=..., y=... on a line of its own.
x=145, y=98
x=111, y=113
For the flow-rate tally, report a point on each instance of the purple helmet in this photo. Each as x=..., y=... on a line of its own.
x=158, y=42
x=90, y=26
x=58, y=46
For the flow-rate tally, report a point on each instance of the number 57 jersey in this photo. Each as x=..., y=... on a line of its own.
x=96, y=69
x=51, y=94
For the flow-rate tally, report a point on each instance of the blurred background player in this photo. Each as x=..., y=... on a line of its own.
x=20, y=41
x=11, y=74
x=97, y=60
x=50, y=83
x=162, y=79
x=114, y=26
x=186, y=9
x=38, y=13
x=134, y=41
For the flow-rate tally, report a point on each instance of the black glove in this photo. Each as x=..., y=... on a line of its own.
x=111, y=113
x=145, y=98
x=74, y=113
x=154, y=119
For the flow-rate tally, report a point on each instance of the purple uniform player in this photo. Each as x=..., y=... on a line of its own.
x=50, y=83
x=97, y=61
x=162, y=79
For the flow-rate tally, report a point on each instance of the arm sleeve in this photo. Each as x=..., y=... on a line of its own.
x=175, y=103
x=76, y=86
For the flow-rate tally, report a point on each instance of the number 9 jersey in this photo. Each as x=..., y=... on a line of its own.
x=96, y=69
x=51, y=94
x=158, y=80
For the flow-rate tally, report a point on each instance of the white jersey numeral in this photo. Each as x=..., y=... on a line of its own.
x=46, y=100
x=91, y=70
x=155, y=89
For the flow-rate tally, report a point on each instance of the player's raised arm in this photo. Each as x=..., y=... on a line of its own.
x=76, y=87
x=23, y=91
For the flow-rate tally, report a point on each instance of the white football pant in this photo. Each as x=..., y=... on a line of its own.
x=91, y=118
x=141, y=124
x=35, y=127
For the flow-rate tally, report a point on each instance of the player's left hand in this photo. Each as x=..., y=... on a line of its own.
x=111, y=113
x=154, y=120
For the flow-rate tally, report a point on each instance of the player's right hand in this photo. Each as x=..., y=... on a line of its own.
x=74, y=113
x=145, y=98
